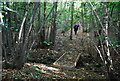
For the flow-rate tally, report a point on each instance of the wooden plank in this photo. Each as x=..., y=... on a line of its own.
x=68, y=65
x=77, y=59
x=58, y=59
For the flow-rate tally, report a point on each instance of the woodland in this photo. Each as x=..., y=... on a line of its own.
x=37, y=41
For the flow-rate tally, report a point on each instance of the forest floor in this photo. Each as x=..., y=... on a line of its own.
x=60, y=62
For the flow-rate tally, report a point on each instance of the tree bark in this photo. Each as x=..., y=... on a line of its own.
x=107, y=50
x=1, y=25
x=9, y=32
x=108, y=58
x=20, y=58
x=42, y=34
x=54, y=23
x=72, y=10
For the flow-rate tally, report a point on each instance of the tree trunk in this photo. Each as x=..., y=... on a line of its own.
x=108, y=58
x=43, y=28
x=83, y=17
x=107, y=50
x=9, y=32
x=39, y=25
x=1, y=25
x=72, y=10
x=20, y=58
x=118, y=24
x=4, y=37
x=54, y=23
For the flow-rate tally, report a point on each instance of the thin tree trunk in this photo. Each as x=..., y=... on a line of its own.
x=53, y=27
x=9, y=32
x=4, y=37
x=83, y=16
x=43, y=28
x=19, y=60
x=72, y=10
x=16, y=25
x=1, y=25
x=39, y=25
x=108, y=58
x=23, y=23
x=54, y=23
x=118, y=24
x=40, y=31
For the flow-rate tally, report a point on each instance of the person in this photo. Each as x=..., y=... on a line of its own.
x=76, y=28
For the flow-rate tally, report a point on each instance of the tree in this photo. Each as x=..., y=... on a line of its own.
x=72, y=10
x=1, y=25
x=20, y=58
x=54, y=29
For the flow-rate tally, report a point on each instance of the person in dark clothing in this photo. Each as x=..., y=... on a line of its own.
x=76, y=28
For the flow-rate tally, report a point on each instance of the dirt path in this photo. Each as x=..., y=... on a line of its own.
x=65, y=54
x=71, y=49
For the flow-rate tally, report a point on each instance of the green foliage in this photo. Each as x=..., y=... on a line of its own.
x=1, y=23
x=101, y=37
x=36, y=72
x=13, y=28
x=114, y=41
x=33, y=66
x=48, y=43
x=117, y=45
x=16, y=29
x=7, y=8
x=86, y=30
